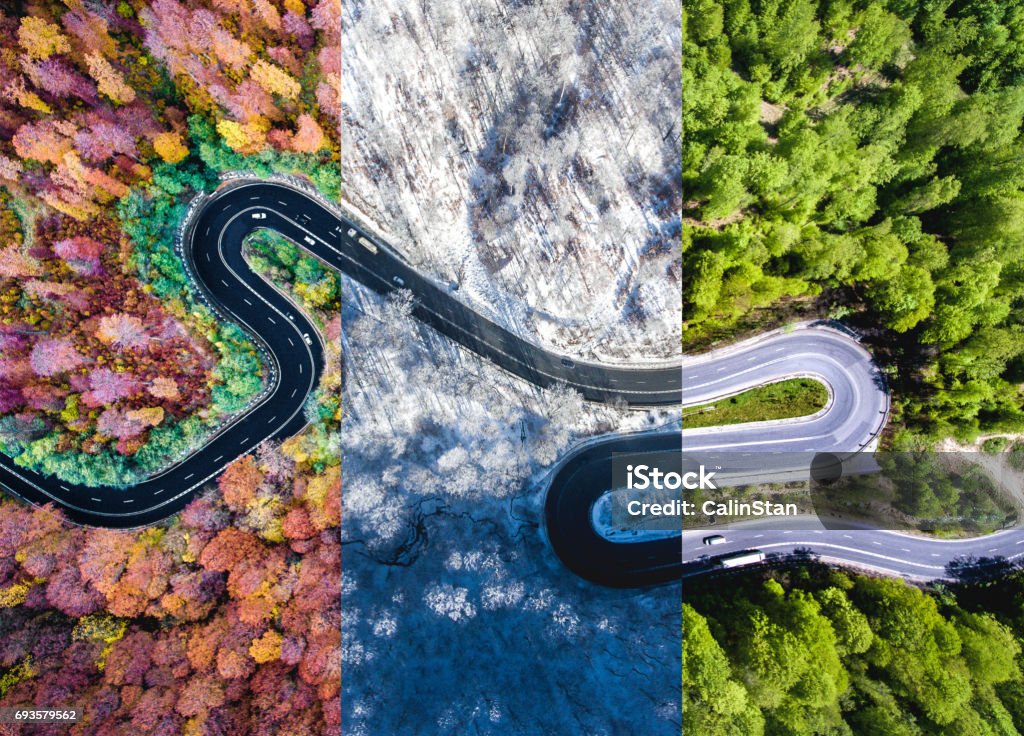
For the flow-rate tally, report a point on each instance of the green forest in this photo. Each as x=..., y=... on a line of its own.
x=864, y=159
x=812, y=650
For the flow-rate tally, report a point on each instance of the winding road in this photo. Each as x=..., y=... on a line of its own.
x=855, y=414
x=292, y=348
x=294, y=353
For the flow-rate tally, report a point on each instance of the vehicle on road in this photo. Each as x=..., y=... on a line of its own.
x=306, y=338
x=259, y=215
x=568, y=363
x=351, y=232
x=309, y=240
x=398, y=280
x=739, y=559
x=715, y=539
x=367, y=244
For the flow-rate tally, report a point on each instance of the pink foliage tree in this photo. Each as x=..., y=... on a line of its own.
x=54, y=355
x=108, y=387
x=115, y=423
x=82, y=254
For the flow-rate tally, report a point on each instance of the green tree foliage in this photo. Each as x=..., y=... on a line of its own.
x=817, y=651
x=873, y=149
x=715, y=703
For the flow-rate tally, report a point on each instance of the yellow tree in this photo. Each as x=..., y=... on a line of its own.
x=275, y=80
x=110, y=81
x=248, y=138
x=41, y=39
x=169, y=147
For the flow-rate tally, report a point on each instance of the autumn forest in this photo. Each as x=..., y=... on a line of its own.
x=113, y=115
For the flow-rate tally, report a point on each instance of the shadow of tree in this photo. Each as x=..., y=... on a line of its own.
x=970, y=569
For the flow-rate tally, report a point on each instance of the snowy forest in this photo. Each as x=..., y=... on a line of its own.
x=528, y=152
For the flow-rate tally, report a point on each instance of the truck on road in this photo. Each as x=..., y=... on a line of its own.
x=739, y=559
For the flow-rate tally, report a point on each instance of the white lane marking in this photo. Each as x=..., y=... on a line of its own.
x=128, y=500
x=246, y=301
x=188, y=476
x=218, y=458
x=97, y=500
x=758, y=536
x=272, y=419
x=856, y=551
x=271, y=319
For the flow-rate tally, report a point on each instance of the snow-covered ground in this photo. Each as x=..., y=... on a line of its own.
x=528, y=151
x=457, y=616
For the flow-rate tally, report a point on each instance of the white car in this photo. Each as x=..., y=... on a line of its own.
x=259, y=215
x=309, y=240
x=715, y=539
x=306, y=338
x=351, y=232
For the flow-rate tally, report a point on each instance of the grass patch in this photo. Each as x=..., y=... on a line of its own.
x=995, y=445
x=796, y=397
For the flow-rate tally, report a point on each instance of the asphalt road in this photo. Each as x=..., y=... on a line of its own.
x=294, y=351
x=889, y=552
x=854, y=416
x=291, y=344
x=858, y=399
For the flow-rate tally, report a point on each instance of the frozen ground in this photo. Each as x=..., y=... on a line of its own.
x=528, y=151
x=457, y=617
